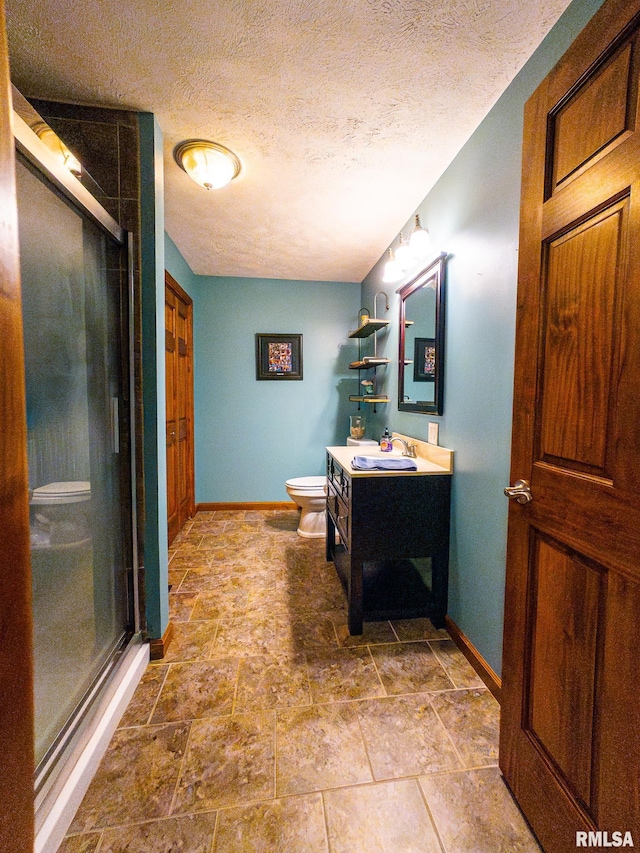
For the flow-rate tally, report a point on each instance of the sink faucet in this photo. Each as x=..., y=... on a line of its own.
x=409, y=449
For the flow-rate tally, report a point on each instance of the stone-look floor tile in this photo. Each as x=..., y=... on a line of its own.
x=176, y=576
x=300, y=635
x=230, y=538
x=217, y=577
x=267, y=682
x=252, y=634
x=290, y=825
x=320, y=747
x=314, y=597
x=181, y=605
x=191, y=559
x=389, y=817
x=472, y=718
x=373, y=633
x=255, y=574
x=191, y=641
x=208, y=526
x=418, y=629
x=144, y=698
x=474, y=813
x=190, y=834
x=457, y=667
x=229, y=761
x=80, y=843
x=409, y=668
x=220, y=603
x=404, y=737
x=343, y=674
x=274, y=598
x=197, y=689
x=136, y=778
x=281, y=521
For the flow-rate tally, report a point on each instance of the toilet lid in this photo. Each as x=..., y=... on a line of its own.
x=307, y=483
x=68, y=492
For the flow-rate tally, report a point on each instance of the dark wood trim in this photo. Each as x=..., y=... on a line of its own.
x=212, y=507
x=486, y=673
x=158, y=646
x=16, y=629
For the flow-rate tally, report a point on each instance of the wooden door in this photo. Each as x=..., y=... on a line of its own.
x=179, y=393
x=570, y=738
x=16, y=631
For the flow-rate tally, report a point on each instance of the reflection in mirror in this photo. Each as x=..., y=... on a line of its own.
x=421, y=356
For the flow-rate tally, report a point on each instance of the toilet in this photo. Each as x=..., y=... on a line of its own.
x=310, y=494
x=55, y=519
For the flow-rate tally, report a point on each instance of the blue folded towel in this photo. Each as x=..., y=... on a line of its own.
x=393, y=463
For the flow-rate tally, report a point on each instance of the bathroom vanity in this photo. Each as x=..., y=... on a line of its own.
x=388, y=535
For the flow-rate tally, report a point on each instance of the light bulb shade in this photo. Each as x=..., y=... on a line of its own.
x=420, y=241
x=392, y=270
x=207, y=163
x=405, y=256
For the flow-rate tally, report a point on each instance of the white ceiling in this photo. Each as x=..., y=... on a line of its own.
x=344, y=113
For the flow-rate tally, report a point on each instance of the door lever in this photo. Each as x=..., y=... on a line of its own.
x=520, y=491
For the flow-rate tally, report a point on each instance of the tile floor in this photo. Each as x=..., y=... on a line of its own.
x=267, y=728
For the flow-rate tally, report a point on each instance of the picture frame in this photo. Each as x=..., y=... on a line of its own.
x=424, y=360
x=278, y=356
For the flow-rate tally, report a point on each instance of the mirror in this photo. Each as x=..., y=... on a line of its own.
x=421, y=356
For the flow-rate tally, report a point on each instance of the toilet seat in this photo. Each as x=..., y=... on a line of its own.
x=307, y=483
x=69, y=492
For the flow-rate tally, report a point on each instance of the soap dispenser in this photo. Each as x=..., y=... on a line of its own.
x=385, y=441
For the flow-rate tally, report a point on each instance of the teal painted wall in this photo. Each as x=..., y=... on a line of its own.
x=154, y=449
x=251, y=436
x=473, y=213
x=176, y=266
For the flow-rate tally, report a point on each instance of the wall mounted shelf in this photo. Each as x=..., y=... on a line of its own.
x=368, y=328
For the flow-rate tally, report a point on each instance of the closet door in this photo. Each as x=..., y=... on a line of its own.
x=179, y=393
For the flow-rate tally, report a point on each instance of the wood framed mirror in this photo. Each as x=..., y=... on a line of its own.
x=421, y=351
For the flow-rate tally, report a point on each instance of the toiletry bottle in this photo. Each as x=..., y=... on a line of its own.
x=385, y=441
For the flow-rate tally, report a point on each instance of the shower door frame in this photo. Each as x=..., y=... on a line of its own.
x=63, y=182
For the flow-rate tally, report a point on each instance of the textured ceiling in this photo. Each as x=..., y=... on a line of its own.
x=344, y=113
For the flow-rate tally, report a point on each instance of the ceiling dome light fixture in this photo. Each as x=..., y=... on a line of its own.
x=209, y=164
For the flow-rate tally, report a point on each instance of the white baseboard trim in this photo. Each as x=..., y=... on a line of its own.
x=56, y=812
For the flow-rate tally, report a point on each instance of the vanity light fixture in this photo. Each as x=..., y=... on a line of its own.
x=209, y=164
x=408, y=254
x=404, y=255
x=392, y=270
x=420, y=242
x=57, y=148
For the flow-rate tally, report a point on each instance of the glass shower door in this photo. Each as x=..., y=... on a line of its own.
x=75, y=321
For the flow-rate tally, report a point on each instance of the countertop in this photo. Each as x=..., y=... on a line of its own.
x=430, y=459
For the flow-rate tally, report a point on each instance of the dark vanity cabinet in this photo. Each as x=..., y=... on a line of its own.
x=388, y=536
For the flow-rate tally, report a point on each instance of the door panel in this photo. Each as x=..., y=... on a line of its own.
x=603, y=108
x=565, y=610
x=569, y=743
x=579, y=343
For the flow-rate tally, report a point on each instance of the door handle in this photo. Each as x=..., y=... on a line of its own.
x=520, y=491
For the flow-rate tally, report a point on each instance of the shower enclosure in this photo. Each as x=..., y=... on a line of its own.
x=76, y=307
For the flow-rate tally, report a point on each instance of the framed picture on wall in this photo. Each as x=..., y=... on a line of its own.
x=424, y=360
x=278, y=356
